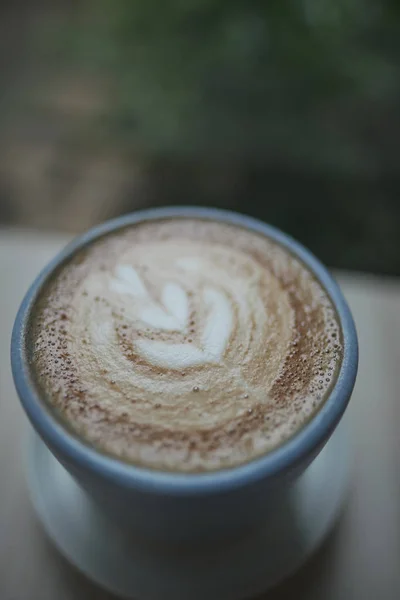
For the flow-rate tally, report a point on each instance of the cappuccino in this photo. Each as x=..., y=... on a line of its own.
x=184, y=344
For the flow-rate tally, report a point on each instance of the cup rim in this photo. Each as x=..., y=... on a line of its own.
x=286, y=457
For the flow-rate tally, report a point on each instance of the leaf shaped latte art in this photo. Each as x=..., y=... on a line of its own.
x=214, y=339
x=171, y=314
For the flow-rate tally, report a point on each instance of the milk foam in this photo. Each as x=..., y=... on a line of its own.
x=185, y=345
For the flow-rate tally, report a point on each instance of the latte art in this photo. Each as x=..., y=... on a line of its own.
x=185, y=345
x=171, y=313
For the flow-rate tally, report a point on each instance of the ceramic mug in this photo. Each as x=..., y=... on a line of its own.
x=176, y=507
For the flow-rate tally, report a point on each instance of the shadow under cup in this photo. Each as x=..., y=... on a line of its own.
x=175, y=507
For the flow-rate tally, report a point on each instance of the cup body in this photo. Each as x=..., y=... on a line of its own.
x=174, y=507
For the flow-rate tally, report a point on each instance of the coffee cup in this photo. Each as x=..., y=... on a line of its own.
x=185, y=508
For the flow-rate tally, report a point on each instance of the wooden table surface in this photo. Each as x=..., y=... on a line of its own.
x=359, y=561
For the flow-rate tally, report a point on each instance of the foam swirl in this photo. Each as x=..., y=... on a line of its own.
x=171, y=347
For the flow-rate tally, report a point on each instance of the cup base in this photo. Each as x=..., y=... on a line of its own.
x=246, y=567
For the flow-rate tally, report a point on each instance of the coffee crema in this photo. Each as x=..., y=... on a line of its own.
x=185, y=344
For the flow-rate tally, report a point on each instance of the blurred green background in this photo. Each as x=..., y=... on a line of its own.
x=287, y=110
